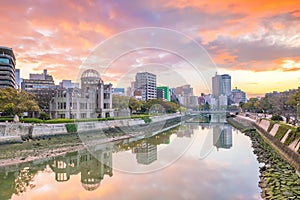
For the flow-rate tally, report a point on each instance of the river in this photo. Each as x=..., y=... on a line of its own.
x=192, y=161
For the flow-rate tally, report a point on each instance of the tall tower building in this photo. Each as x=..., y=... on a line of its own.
x=217, y=85
x=146, y=84
x=221, y=85
x=226, y=83
x=7, y=67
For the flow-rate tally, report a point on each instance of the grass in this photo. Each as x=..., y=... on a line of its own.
x=282, y=130
x=272, y=123
x=293, y=135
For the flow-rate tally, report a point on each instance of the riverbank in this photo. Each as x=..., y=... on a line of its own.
x=278, y=178
x=44, y=147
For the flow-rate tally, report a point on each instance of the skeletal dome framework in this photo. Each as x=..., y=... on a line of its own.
x=90, y=73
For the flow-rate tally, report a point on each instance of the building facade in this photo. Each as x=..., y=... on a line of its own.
x=221, y=86
x=7, y=68
x=92, y=100
x=238, y=96
x=145, y=82
x=38, y=81
x=163, y=92
x=184, y=94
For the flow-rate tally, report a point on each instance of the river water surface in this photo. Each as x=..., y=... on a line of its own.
x=192, y=161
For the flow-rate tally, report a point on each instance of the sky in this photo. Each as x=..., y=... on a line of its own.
x=256, y=42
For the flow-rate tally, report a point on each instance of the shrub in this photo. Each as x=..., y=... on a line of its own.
x=4, y=119
x=146, y=119
x=276, y=118
x=31, y=120
x=44, y=116
x=58, y=121
x=71, y=128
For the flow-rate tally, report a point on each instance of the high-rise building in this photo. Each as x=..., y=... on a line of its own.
x=221, y=84
x=217, y=85
x=238, y=96
x=145, y=82
x=183, y=94
x=18, y=79
x=226, y=83
x=7, y=67
x=163, y=92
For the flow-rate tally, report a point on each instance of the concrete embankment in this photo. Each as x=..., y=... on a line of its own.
x=278, y=178
x=18, y=132
x=285, y=139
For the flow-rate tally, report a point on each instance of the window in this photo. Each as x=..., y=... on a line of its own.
x=4, y=60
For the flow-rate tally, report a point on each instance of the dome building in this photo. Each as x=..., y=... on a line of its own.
x=92, y=100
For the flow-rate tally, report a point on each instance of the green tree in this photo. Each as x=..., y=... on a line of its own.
x=135, y=105
x=120, y=102
x=14, y=102
x=294, y=99
x=250, y=105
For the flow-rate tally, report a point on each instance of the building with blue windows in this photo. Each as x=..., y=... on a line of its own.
x=7, y=67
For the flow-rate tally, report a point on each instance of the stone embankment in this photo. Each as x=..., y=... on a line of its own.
x=278, y=178
x=19, y=132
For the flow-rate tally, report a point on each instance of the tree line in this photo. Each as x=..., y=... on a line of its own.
x=139, y=106
x=281, y=104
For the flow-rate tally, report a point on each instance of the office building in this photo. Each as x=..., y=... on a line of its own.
x=118, y=91
x=68, y=84
x=43, y=87
x=163, y=92
x=7, y=68
x=238, y=96
x=145, y=86
x=221, y=85
x=38, y=81
x=18, y=79
x=184, y=94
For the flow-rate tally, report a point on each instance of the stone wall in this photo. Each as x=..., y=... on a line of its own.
x=265, y=126
x=10, y=132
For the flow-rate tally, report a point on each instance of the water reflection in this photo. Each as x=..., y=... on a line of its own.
x=222, y=136
x=94, y=167
x=91, y=168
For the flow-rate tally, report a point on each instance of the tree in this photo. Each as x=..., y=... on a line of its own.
x=294, y=99
x=135, y=105
x=250, y=105
x=120, y=102
x=13, y=102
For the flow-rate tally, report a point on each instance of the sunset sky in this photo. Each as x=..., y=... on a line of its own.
x=256, y=42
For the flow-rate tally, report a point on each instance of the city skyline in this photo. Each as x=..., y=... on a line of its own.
x=257, y=43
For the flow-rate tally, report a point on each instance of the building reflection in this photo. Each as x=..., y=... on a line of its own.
x=222, y=136
x=91, y=166
x=187, y=130
x=146, y=153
